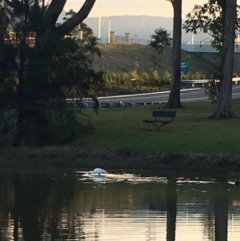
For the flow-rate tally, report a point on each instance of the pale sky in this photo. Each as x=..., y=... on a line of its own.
x=133, y=7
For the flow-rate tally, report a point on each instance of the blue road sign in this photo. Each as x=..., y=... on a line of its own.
x=184, y=68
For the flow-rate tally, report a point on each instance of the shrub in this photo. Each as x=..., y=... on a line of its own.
x=212, y=90
x=7, y=127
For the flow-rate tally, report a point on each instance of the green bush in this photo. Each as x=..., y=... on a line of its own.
x=7, y=127
x=212, y=90
x=133, y=82
x=43, y=127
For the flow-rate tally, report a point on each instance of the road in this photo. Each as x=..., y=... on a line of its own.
x=194, y=94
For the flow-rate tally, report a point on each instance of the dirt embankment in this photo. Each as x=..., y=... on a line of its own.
x=77, y=158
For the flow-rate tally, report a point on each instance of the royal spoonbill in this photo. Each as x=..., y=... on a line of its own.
x=98, y=171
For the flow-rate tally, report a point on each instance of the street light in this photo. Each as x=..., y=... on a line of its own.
x=100, y=21
x=109, y=28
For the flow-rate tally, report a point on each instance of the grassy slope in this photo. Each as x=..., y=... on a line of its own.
x=190, y=131
x=122, y=58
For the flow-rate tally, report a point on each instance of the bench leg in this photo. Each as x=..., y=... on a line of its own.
x=163, y=124
x=159, y=126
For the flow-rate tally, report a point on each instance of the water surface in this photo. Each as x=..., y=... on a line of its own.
x=119, y=207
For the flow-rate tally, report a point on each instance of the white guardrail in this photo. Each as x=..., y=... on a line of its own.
x=205, y=81
x=87, y=103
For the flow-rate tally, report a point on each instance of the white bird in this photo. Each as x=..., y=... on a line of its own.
x=98, y=171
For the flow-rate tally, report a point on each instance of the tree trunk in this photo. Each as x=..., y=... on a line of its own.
x=174, y=96
x=21, y=84
x=224, y=107
x=74, y=21
x=53, y=11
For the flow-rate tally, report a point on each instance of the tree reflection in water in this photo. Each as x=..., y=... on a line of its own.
x=221, y=214
x=39, y=207
x=171, y=203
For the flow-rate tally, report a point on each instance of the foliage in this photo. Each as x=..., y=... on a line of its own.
x=212, y=90
x=87, y=33
x=65, y=70
x=7, y=127
x=209, y=18
x=160, y=41
x=4, y=21
x=131, y=82
x=39, y=76
x=63, y=126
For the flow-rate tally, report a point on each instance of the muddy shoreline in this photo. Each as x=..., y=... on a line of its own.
x=81, y=158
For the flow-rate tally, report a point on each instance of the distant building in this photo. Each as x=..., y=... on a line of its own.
x=11, y=37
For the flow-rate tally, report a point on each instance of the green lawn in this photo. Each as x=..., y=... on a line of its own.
x=191, y=130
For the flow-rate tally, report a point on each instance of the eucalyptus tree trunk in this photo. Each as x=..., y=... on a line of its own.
x=174, y=96
x=224, y=103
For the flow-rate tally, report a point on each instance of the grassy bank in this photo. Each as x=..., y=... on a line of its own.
x=121, y=140
x=191, y=130
x=120, y=58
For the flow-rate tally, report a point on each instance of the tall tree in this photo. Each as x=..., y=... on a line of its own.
x=35, y=16
x=206, y=18
x=224, y=103
x=174, y=96
x=219, y=19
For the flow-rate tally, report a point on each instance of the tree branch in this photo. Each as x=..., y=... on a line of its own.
x=171, y=1
x=53, y=11
x=72, y=22
x=14, y=4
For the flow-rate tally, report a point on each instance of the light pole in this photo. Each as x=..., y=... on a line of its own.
x=109, y=28
x=100, y=20
x=192, y=38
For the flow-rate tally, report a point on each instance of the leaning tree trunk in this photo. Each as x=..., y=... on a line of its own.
x=174, y=96
x=224, y=103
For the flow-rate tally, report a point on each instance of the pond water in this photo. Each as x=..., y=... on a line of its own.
x=118, y=207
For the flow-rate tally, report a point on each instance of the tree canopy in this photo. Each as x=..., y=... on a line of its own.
x=209, y=18
x=43, y=65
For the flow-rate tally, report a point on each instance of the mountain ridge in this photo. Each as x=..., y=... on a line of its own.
x=139, y=27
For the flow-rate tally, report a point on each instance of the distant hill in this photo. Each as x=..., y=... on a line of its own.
x=140, y=27
x=124, y=57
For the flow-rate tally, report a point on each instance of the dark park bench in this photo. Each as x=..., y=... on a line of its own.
x=161, y=118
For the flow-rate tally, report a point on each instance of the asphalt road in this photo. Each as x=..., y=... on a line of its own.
x=194, y=94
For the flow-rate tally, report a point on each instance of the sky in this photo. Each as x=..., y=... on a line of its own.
x=133, y=7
